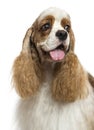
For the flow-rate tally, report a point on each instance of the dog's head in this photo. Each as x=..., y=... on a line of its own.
x=51, y=35
x=48, y=40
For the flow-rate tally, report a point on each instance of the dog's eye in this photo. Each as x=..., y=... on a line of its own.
x=67, y=28
x=45, y=27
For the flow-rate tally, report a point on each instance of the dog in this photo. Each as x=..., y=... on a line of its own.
x=56, y=92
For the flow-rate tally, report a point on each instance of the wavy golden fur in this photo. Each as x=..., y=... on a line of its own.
x=26, y=71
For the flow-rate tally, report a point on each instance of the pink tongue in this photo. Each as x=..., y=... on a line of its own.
x=57, y=54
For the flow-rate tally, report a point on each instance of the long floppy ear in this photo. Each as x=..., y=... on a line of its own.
x=26, y=68
x=70, y=80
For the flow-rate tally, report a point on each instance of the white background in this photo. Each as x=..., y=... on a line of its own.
x=15, y=18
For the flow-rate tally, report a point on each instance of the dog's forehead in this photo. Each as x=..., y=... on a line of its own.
x=57, y=13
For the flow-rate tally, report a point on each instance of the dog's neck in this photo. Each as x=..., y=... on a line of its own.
x=48, y=70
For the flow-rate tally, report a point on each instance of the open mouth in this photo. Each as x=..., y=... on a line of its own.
x=58, y=53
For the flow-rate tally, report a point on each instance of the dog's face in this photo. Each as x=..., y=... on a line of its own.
x=52, y=35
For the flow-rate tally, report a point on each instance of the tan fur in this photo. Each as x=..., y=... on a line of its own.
x=70, y=80
x=27, y=75
x=39, y=35
x=26, y=70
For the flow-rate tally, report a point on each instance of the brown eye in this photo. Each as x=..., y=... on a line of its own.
x=45, y=27
x=67, y=28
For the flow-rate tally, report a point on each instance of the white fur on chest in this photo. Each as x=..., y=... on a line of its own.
x=43, y=113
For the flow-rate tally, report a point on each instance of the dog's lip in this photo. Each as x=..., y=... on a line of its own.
x=58, y=53
x=61, y=46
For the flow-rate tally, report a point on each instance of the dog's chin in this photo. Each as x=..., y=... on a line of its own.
x=56, y=55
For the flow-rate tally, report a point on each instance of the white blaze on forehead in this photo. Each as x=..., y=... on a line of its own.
x=56, y=12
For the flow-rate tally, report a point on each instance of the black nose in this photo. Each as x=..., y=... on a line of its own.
x=61, y=34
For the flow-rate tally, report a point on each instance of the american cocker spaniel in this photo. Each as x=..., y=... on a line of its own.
x=57, y=92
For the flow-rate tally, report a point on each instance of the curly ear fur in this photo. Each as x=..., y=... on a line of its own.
x=70, y=79
x=26, y=69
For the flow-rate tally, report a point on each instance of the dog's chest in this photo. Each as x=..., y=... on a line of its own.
x=42, y=113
